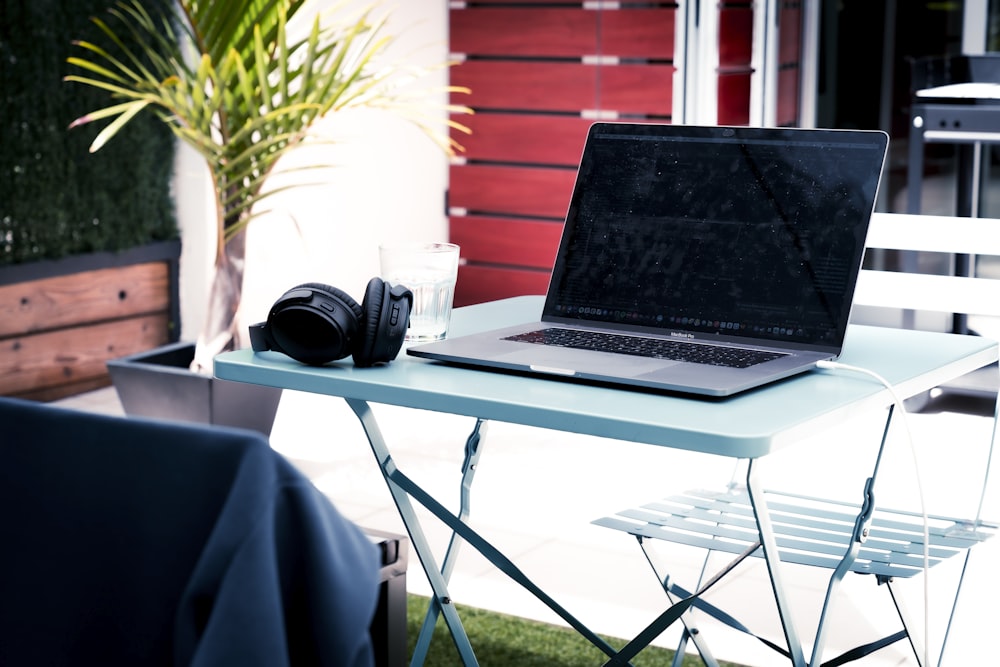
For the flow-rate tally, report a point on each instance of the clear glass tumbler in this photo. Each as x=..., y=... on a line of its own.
x=430, y=271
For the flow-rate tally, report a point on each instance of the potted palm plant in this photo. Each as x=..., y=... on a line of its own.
x=231, y=82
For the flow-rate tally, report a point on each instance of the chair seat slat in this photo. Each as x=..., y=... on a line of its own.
x=807, y=531
x=832, y=537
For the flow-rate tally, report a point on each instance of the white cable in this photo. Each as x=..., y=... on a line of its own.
x=901, y=408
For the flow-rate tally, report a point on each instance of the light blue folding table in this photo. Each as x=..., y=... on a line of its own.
x=748, y=426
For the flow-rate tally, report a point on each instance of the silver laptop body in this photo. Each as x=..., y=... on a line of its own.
x=702, y=260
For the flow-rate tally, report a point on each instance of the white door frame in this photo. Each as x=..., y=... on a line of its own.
x=697, y=62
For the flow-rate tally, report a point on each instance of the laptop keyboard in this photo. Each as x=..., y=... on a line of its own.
x=656, y=348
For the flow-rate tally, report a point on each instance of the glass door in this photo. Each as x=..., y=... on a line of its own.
x=742, y=63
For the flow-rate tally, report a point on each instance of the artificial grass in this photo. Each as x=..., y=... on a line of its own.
x=499, y=640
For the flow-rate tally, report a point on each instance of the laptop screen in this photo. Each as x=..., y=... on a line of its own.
x=742, y=232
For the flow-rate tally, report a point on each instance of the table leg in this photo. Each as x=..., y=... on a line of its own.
x=970, y=161
x=469, y=464
x=403, y=489
x=914, y=193
x=421, y=546
x=773, y=560
x=772, y=557
x=862, y=524
x=915, y=161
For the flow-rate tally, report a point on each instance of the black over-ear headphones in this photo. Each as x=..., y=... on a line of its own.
x=315, y=324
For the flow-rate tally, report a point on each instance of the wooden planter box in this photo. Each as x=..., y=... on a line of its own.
x=61, y=321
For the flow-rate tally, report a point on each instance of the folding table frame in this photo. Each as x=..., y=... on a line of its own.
x=754, y=427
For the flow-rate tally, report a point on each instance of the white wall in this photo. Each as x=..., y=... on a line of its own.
x=389, y=182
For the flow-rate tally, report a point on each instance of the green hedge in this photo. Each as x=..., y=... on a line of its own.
x=56, y=198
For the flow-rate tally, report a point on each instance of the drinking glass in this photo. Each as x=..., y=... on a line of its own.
x=430, y=271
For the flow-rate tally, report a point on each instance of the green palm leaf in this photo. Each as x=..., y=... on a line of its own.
x=250, y=96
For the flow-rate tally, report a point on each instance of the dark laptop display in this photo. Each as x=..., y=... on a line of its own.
x=759, y=237
x=709, y=235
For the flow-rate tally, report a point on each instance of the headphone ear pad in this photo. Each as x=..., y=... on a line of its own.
x=386, y=318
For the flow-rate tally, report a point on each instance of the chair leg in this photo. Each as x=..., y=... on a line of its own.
x=691, y=631
x=678, y=660
x=681, y=651
x=916, y=644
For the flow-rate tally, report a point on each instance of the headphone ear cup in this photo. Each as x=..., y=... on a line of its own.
x=338, y=294
x=315, y=323
x=386, y=318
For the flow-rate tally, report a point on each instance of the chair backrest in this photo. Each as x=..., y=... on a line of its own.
x=897, y=290
x=915, y=290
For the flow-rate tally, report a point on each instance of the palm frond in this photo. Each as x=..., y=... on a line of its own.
x=252, y=93
x=112, y=128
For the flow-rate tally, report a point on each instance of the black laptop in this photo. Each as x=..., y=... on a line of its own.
x=704, y=260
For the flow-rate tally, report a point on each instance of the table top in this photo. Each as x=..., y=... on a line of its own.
x=982, y=90
x=748, y=425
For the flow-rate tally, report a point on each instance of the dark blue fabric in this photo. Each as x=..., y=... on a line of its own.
x=134, y=542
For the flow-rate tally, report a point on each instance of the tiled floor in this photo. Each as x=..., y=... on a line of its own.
x=536, y=491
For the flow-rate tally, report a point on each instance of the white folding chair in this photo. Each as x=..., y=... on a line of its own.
x=845, y=537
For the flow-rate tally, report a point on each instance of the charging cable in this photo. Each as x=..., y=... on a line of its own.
x=901, y=408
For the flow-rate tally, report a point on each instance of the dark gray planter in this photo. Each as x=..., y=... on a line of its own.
x=159, y=384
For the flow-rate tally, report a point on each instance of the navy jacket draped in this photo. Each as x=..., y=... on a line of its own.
x=136, y=542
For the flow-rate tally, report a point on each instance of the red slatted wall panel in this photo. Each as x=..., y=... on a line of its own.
x=539, y=72
x=520, y=137
x=639, y=33
x=527, y=85
x=511, y=31
x=528, y=190
x=500, y=241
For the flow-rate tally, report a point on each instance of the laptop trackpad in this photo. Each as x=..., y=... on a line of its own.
x=583, y=361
